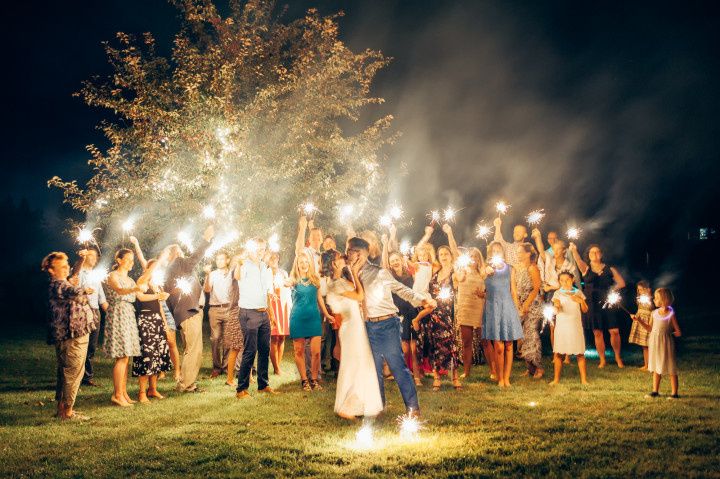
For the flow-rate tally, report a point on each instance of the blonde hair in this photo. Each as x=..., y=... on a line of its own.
x=666, y=296
x=430, y=249
x=295, y=275
x=479, y=266
x=49, y=259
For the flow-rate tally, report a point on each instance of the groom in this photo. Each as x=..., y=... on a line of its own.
x=382, y=322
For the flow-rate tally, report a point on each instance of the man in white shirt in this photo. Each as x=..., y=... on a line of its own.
x=218, y=283
x=255, y=283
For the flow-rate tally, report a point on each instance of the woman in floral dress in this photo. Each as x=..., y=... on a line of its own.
x=526, y=277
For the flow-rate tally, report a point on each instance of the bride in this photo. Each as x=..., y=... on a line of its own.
x=358, y=391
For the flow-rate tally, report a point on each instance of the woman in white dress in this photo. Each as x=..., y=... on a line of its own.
x=357, y=392
x=569, y=338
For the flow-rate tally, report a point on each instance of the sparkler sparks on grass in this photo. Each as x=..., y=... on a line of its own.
x=445, y=293
x=502, y=207
x=409, y=425
x=184, y=285
x=463, y=261
x=186, y=240
x=573, y=233
x=449, y=214
x=644, y=299
x=533, y=404
x=535, y=217
x=364, y=437
x=483, y=231
x=209, y=212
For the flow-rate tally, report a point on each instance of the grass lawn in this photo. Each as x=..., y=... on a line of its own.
x=605, y=430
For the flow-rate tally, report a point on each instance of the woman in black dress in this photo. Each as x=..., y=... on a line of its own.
x=154, y=350
x=599, y=279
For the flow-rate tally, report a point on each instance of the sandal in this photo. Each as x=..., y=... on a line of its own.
x=456, y=384
x=436, y=385
x=306, y=385
x=315, y=385
x=418, y=382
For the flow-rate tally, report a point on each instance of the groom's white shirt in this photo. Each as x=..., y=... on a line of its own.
x=379, y=285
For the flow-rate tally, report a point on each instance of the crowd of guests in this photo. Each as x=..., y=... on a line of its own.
x=455, y=308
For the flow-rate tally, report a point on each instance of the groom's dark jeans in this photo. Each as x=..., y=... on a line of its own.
x=255, y=327
x=384, y=339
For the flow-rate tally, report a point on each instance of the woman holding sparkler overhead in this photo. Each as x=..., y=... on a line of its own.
x=600, y=278
x=526, y=278
x=440, y=327
x=501, y=321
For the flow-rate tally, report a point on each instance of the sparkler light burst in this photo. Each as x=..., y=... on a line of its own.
x=186, y=240
x=128, y=225
x=644, y=299
x=158, y=276
x=309, y=209
x=483, y=231
x=549, y=311
x=364, y=438
x=209, y=212
x=385, y=220
x=346, y=212
x=396, y=212
x=274, y=243
x=573, y=233
x=463, y=261
x=535, y=217
x=445, y=293
x=434, y=216
x=184, y=285
x=251, y=246
x=85, y=235
x=502, y=207
x=449, y=214
x=613, y=299
x=409, y=425
x=496, y=261
x=405, y=247
x=97, y=275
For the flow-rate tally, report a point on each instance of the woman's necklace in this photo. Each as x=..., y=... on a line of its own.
x=305, y=281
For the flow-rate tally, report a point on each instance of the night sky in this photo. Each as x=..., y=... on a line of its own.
x=601, y=112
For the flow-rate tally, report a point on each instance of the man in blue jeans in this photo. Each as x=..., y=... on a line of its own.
x=382, y=322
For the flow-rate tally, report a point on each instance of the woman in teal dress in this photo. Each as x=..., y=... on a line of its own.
x=306, y=318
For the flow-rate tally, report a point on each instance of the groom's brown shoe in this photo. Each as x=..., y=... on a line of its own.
x=242, y=394
x=268, y=390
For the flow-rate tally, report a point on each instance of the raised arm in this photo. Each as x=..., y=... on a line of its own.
x=300, y=239
x=138, y=252
x=582, y=265
x=498, y=230
x=451, y=240
x=426, y=237
x=385, y=255
x=393, y=244
x=199, y=253
x=79, y=263
x=537, y=236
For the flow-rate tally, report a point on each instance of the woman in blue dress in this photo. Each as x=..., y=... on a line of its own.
x=306, y=318
x=501, y=321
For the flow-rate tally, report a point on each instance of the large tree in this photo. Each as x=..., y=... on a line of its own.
x=252, y=114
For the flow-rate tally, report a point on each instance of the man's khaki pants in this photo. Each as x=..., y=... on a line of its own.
x=191, y=330
x=71, y=355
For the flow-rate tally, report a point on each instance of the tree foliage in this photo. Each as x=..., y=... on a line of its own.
x=252, y=113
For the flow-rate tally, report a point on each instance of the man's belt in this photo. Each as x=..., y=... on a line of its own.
x=259, y=310
x=377, y=319
x=224, y=305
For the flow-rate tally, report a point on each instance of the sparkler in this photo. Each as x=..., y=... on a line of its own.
x=85, y=235
x=158, y=276
x=434, y=216
x=274, y=243
x=614, y=299
x=346, y=212
x=251, y=246
x=97, y=275
x=533, y=404
x=385, y=220
x=463, y=261
x=209, y=212
x=184, y=285
x=405, y=247
x=220, y=242
x=573, y=233
x=644, y=299
x=128, y=225
x=483, y=231
x=396, y=212
x=309, y=209
x=549, y=311
x=496, y=261
x=364, y=437
x=502, y=207
x=449, y=214
x=535, y=217
x=445, y=293
x=184, y=238
x=409, y=425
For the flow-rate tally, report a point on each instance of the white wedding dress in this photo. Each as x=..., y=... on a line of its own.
x=358, y=392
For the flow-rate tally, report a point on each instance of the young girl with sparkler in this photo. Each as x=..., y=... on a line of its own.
x=638, y=334
x=661, y=345
x=569, y=303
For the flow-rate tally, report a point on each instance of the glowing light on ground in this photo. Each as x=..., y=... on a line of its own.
x=364, y=438
x=533, y=404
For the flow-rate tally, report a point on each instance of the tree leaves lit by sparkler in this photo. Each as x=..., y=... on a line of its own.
x=483, y=231
x=502, y=207
x=573, y=233
x=535, y=217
